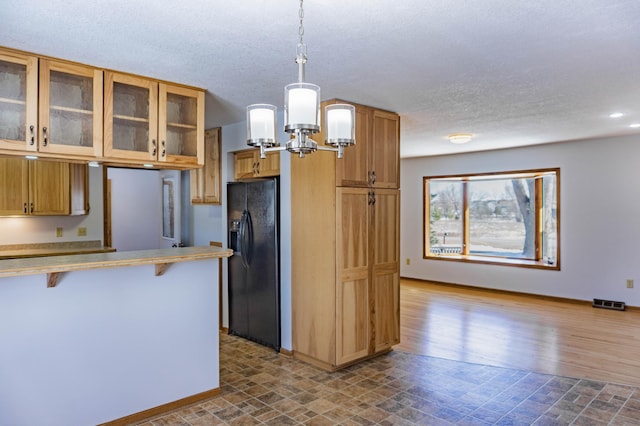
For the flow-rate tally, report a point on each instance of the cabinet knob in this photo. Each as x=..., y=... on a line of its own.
x=25, y=208
x=31, y=208
x=32, y=140
x=45, y=140
x=373, y=177
x=155, y=148
x=164, y=151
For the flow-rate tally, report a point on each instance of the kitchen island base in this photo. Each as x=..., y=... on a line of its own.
x=107, y=343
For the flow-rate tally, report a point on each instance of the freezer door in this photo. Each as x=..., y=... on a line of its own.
x=264, y=273
x=237, y=271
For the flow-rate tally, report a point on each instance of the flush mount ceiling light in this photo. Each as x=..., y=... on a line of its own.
x=301, y=116
x=634, y=125
x=459, y=137
x=616, y=115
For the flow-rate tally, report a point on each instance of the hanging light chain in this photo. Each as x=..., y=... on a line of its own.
x=301, y=27
x=301, y=50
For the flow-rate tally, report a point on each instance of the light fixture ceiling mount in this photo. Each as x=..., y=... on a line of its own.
x=459, y=138
x=301, y=116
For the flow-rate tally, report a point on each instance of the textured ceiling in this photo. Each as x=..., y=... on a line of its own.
x=510, y=72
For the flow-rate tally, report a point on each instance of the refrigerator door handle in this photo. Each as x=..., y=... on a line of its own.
x=248, y=246
x=245, y=239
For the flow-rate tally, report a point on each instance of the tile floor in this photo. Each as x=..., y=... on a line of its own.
x=262, y=387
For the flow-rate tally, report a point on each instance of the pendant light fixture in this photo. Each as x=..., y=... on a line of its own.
x=301, y=116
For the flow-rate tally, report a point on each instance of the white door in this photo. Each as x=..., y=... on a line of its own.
x=135, y=208
x=170, y=209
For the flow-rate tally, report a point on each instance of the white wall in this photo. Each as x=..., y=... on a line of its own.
x=106, y=343
x=599, y=219
x=42, y=229
x=209, y=223
x=136, y=208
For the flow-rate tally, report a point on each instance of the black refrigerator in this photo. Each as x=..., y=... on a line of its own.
x=254, y=269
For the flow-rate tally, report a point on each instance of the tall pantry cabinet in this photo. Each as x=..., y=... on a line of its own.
x=345, y=241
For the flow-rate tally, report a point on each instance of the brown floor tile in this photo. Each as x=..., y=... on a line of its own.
x=260, y=387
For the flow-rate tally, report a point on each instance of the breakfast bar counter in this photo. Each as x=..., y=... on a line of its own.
x=121, y=334
x=159, y=257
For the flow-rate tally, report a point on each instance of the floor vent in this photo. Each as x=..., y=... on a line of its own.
x=608, y=304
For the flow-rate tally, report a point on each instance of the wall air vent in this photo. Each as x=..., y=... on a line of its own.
x=608, y=304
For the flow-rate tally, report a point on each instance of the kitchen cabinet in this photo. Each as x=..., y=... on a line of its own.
x=248, y=164
x=70, y=109
x=367, y=235
x=18, y=101
x=346, y=296
x=130, y=117
x=59, y=112
x=205, y=182
x=147, y=121
x=375, y=158
x=42, y=188
x=63, y=110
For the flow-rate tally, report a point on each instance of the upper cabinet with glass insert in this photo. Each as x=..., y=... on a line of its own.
x=70, y=119
x=181, y=125
x=153, y=122
x=18, y=101
x=63, y=110
x=58, y=113
x=130, y=117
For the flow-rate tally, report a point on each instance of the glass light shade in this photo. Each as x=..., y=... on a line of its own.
x=261, y=125
x=340, y=124
x=301, y=107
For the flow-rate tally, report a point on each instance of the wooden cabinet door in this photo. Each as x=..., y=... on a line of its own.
x=353, y=332
x=49, y=188
x=130, y=117
x=18, y=101
x=79, y=189
x=14, y=186
x=180, y=125
x=385, y=151
x=205, y=182
x=70, y=109
x=269, y=166
x=354, y=169
x=244, y=164
x=385, y=267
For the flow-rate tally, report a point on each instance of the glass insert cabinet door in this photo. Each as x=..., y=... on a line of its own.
x=70, y=118
x=18, y=101
x=131, y=117
x=181, y=125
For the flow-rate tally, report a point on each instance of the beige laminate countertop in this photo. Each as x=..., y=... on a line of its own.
x=78, y=262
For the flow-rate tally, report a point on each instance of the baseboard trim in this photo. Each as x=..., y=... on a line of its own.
x=330, y=367
x=163, y=409
x=286, y=352
x=513, y=292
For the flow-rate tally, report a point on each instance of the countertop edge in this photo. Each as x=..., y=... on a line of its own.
x=79, y=262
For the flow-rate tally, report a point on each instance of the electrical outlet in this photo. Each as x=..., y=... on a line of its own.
x=58, y=232
x=408, y=261
x=629, y=283
x=82, y=232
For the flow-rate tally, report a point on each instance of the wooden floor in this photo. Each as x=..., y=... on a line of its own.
x=521, y=332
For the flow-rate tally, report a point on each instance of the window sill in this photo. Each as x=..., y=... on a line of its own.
x=523, y=263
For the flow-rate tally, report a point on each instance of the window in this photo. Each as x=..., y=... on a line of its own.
x=507, y=218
